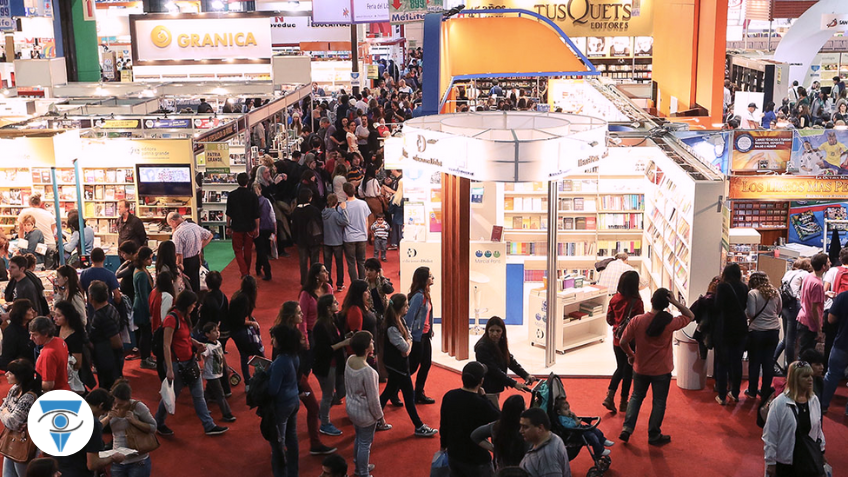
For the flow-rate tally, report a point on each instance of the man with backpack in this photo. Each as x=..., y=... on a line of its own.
x=790, y=294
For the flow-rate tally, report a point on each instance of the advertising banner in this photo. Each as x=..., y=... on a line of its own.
x=167, y=123
x=711, y=148
x=217, y=156
x=788, y=187
x=806, y=221
x=834, y=21
x=761, y=150
x=290, y=30
x=408, y=11
x=156, y=39
x=6, y=22
x=819, y=152
x=331, y=11
x=370, y=11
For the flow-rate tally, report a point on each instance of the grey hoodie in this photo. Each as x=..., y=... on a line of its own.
x=335, y=220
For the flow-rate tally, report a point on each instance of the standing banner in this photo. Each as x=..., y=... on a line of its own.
x=217, y=156
x=761, y=150
x=819, y=152
x=806, y=221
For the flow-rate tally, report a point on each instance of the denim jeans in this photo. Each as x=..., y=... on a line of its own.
x=13, y=469
x=329, y=384
x=196, y=390
x=355, y=257
x=362, y=448
x=789, y=315
x=331, y=253
x=761, y=346
x=404, y=383
x=836, y=365
x=806, y=338
x=596, y=439
x=728, y=362
x=246, y=348
x=659, y=389
x=136, y=469
x=380, y=247
x=284, y=451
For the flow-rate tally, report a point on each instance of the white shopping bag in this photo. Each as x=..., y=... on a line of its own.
x=169, y=399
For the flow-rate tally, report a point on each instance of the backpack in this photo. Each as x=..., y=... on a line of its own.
x=315, y=231
x=840, y=282
x=786, y=295
x=159, y=340
x=258, y=394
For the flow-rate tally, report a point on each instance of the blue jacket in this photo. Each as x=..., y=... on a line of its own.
x=415, y=318
x=283, y=381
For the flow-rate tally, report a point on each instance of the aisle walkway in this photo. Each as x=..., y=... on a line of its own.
x=708, y=440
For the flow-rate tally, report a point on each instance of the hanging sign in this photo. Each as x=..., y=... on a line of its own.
x=6, y=22
x=408, y=11
x=167, y=123
x=217, y=157
x=119, y=124
x=761, y=150
x=788, y=187
x=293, y=30
x=834, y=22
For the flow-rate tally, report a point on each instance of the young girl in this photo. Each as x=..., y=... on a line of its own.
x=363, y=401
x=569, y=420
x=143, y=285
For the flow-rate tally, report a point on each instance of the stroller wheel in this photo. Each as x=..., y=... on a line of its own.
x=595, y=472
x=604, y=463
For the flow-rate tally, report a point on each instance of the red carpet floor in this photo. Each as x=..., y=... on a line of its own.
x=708, y=440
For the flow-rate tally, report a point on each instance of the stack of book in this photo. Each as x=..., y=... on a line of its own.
x=592, y=309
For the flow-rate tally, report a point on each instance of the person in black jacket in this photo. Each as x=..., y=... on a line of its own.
x=239, y=319
x=16, y=342
x=328, y=359
x=493, y=351
x=308, y=232
x=729, y=332
x=397, y=343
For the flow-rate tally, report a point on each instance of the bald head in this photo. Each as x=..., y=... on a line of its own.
x=175, y=219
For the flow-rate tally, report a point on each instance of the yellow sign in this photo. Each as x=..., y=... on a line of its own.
x=217, y=155
x=160, y=36
x=788, y=187
x=119, y=124
x=579, y=18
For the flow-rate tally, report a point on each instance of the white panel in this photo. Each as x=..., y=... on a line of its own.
x=192, y=39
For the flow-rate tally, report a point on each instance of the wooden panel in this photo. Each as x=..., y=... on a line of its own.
x=456, y=211
x=790, y=9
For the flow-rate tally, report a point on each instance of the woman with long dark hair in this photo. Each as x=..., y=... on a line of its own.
x=730, y=332
x=143, y=285
x=166, y=261
x=283, y=388
x=125, y=414
x=507, y=445
x=316, y=286
x=179, y=358
x=625, y=304
x=291, y=315
x=16, y=342
x=356, y=309
x=397, y=344
x=239, y=319
x=161, y=299
x=72, y=331
x=26, y=387
x=493, y=350
x=328, y=359
x=419, y=320
x=67, y=288
x=763, y=311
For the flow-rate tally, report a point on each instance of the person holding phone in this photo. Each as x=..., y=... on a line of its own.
x=493, y=351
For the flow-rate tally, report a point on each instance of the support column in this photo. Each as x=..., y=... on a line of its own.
x=456, y=213
x=79, y=42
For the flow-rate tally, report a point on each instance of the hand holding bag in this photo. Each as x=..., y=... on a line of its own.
x=439, y=467
x=169, y=399
x=141, y=441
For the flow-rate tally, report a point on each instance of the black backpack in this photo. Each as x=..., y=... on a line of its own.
x=159, y=340
x=786, y=294
x=260, y=398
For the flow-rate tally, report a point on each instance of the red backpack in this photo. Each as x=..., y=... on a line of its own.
x=840, y=282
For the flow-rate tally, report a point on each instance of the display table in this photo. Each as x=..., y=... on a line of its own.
x=571, y=333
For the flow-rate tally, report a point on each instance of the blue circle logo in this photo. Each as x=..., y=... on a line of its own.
x=478, y=253
x=60, y=423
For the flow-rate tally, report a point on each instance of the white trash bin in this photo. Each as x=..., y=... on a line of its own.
x=691, y=369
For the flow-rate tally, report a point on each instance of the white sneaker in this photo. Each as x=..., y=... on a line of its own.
x=606, y=452
x=608, y=443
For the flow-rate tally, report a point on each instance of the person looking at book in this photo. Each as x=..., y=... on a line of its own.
x=189, y=239
x=33, y=238
x=44, y=221
x=612, y=273
x=71, y=247
x=130, y=227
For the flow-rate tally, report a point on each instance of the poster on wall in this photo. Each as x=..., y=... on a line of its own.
x=818, y=152
x=644, y=46
x=620, y=46
x=292, y=30
x=711, y=148
x=6, y=22
x=807, y=221
x=596, y=47
x=217, y=156
x=761, y=150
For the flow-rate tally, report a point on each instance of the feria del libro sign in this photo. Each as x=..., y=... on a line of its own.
x=188, y=39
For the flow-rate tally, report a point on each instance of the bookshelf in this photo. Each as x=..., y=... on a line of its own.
x=15, y=190
x=216, y=188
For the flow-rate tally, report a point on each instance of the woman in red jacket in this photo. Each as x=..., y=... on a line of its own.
x=625, y=304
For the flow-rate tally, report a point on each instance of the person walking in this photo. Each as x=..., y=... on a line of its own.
x=492, y=350
x=240, y=320
x=419, y=320
x=104, y=334
x=26, y=388
x=282, y=386
x=790, y=294
x=397, y=344
x=180, y=366
x=335, y=220
x=129, y=416
x=729, y=333
x=763, y=311
x=624, y=305
x=308, y=231
x=52, y=362
x=355, y=233
x=143, y=287
x=812, y=303
x=548, y=457
x=652, y=361
x=190, y=239
x=362, y=401
x=243, y=222
x=328, y=356
x=837, y=362
x=267, y=226
x=793, y=415
x=130, y=227
x=463, y=410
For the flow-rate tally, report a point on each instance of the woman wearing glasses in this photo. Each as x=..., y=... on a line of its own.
x=328, y=359
x=419, y=320
x=796, y=412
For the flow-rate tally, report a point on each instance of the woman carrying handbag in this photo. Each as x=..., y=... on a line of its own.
x=625, y=304
x=15, y=444
x=133, y=427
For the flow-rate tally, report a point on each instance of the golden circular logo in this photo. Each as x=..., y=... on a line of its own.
x=160, y=36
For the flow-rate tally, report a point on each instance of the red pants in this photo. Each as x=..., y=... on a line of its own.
x=243, y=248
x=311, y=405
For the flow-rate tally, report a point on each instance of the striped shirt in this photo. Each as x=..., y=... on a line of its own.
x=189, y=237
x=381, y=231
x=363, y=395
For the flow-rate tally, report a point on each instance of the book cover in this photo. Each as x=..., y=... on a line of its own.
x=509, y=203
x=580, y=223
x=89, y=175
x=525, y=222
x=578, y=203
x=111, y=209
x=538, y=186
x=109, y=193
x=36, y=176
x=120, y=193
x=590, y=223
x=516, y=222
x=111, y=176
x=534, y=222
x=98, y=192
x=436, y=221
x=98, y=210
x=88, y=193
x=99, y=175
x=89, y=210
x=567, y=186
x=568, y=223
x=128, y=175
x=130, y=193
x=67, y=176
x=45, y=176
x=497, y=233
x=537, y=204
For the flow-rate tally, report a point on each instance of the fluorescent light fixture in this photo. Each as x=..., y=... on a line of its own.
x=219, y=91
x=217, y=5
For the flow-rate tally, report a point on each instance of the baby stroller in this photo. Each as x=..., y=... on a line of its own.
x=544, y=396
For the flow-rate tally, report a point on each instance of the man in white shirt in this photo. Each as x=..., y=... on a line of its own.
x=750, y=118
x=361, y=104
x=611, y=274
x=45, y=222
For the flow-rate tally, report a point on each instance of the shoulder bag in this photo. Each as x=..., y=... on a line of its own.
x=619, y=332
x=16, y=445
x=143, y=442
x=807, y=457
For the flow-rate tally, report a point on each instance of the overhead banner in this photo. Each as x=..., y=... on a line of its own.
x=289, y=30
x=408, y=11
x=585, y=17
x=183, y=38
x=331, y=11
x=217, y=156
x=167, y=123
x=6, y=22
x=370, y=11
x=817, y=152
x=761, y=150
x=118, y=124
x=788, y=187
x=806, y=221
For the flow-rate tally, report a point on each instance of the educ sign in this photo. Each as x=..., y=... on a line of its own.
x=165, y=39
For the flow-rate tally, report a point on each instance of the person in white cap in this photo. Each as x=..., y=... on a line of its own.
x=751, y=118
